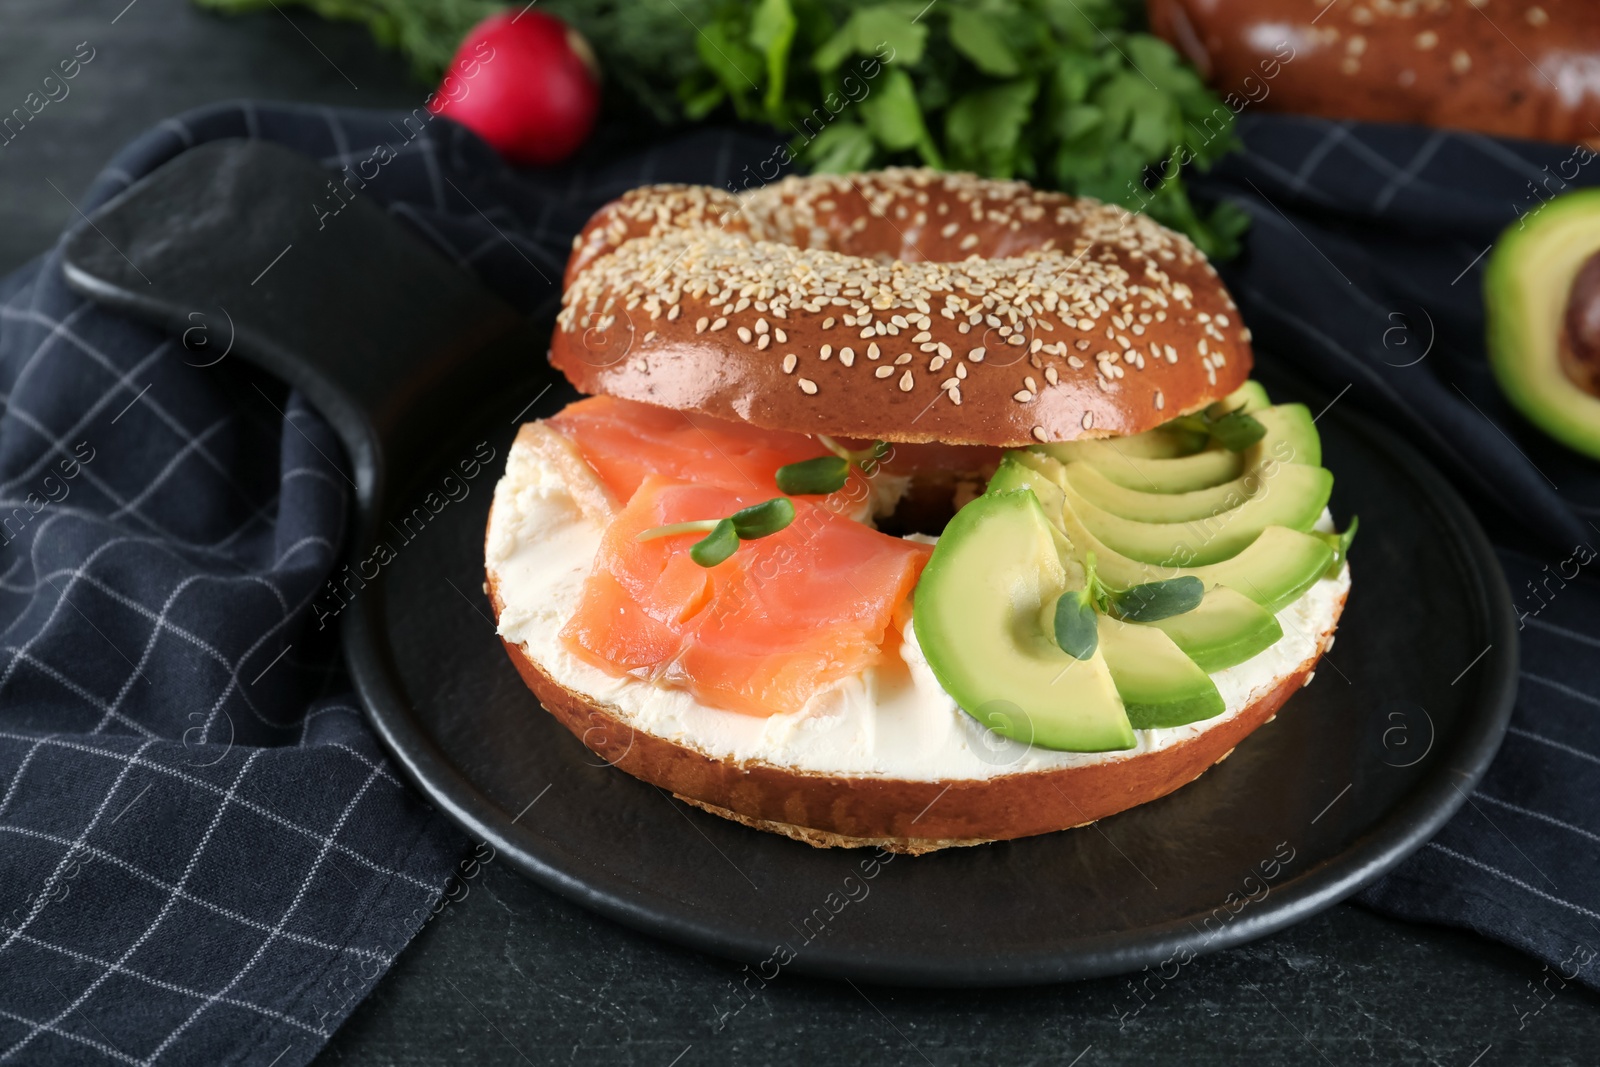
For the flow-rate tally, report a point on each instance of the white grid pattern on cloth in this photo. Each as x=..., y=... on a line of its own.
x=82, y=559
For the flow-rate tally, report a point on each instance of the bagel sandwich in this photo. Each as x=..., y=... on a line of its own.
x=909, y=510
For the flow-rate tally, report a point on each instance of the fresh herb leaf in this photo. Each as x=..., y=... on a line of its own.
x=976, y=36
x=772, y=29
x=841, y=148
x=1113, y=112
x=762, y=520
x=1077, y=630
x=893, y=29
x=894, y=117
x=1158, y=600
x=717, y=546
x=825, y=474
x=984, y=129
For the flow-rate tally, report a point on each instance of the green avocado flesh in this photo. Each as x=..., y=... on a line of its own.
x=1526, y=287
x=1227, y=628
x=979, y=613
x=1287, y=494
x=1291, y=437
x=1237, y=521
x=1159, y=685
x=1248, y=398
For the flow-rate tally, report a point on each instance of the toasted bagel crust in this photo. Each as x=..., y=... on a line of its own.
x=1515, y=68
x=901, y=305
x=900, y=815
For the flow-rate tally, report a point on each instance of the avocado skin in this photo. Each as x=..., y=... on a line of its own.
x=1526, y=286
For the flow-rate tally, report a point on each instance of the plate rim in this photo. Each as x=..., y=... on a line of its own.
x=1419, y=814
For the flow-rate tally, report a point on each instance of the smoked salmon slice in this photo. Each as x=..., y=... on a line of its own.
x=626, y=441
x=759, y=633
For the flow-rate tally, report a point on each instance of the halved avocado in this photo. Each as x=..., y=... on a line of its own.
x=1528, y=286
x=979, y=612
x=1227, y=628
x=1287, y=494
x=1159, y=685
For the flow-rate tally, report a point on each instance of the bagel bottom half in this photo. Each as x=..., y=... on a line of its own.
x=849, y=807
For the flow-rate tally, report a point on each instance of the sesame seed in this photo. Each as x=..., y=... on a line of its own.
x=763, y=342
x=789, y=363
x=744, y=334
x=961, y=370
x=1039, y=434
x=701, y=324
x=1088, y=420
x=905, y=381
x=873, y=352
x=883, y=372
x=955, y=396
x=1022, y=396
x=827, y=323
x=761, y=326
x=808, y=386
x=902, y=359
x=827, y=350
x=718, y=325
x=1161, y=400
x=847, y=357
x=976, y=355
x=674, y=312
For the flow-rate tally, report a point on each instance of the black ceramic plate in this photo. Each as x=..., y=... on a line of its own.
x=1357, y=770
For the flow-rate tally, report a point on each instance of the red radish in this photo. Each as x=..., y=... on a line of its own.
x=527, y=83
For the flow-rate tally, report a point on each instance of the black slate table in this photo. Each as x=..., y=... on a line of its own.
x=511, y=974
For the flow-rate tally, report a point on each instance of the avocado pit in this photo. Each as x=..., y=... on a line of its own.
x=1580, y=333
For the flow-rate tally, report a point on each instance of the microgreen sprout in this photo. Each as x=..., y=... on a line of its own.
x=724, y=535
x=827, y=474
x=1076, y=626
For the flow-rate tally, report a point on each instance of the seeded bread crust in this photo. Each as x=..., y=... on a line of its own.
x=1468, y=65
x=900, y=815
x=901, y=305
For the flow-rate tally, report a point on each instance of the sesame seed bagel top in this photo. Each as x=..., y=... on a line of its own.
x=902, y=305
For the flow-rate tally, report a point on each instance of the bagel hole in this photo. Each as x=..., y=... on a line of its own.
x=930, y=502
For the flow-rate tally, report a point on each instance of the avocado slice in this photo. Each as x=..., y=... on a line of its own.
x=1227, y=628
x=1287, y=494
x=1249, y=398
x=1291, y=437
x=1160, y=443
x=1159, y=685
x=1527, y=286
x=979, y=612
x=1273, y=570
